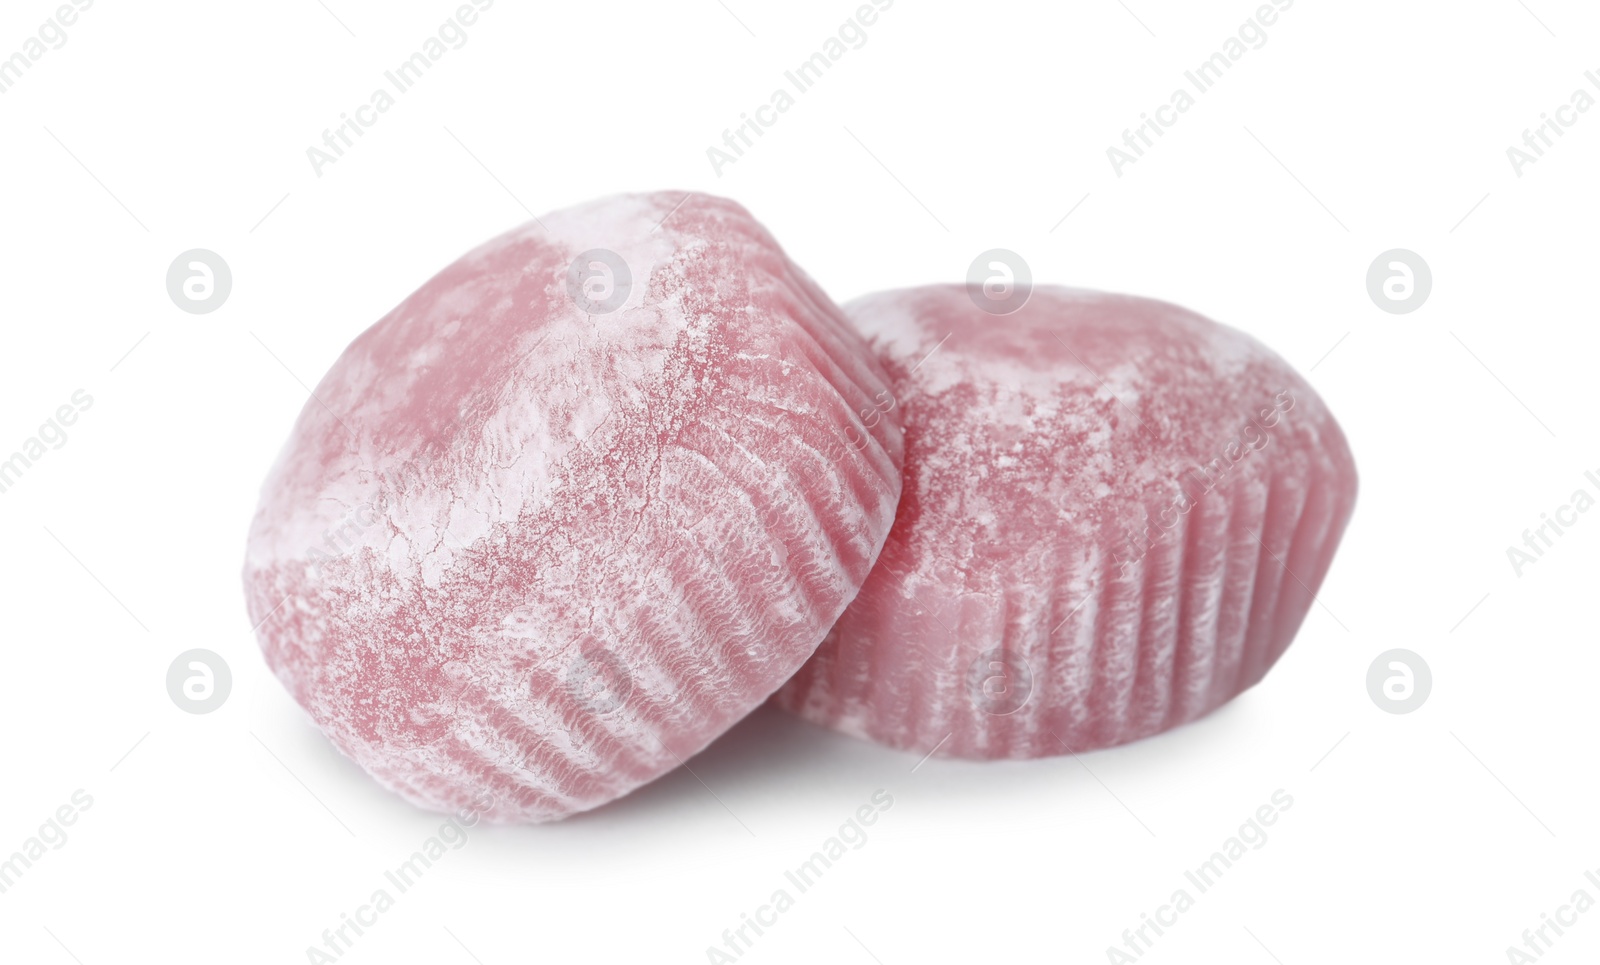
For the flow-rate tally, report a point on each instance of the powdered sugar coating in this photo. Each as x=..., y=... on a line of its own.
x=496, y=502
x=1133, y=504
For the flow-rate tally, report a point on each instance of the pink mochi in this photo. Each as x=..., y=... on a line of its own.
x=1116, y=514
x=556, y=522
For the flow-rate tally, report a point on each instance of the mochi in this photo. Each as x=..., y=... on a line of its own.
x=1116, y=515
x=573, y=508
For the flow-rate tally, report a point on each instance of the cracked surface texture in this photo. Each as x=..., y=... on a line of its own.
x=1133, y=504
x=518, y=553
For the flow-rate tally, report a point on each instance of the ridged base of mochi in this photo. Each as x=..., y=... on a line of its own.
x=521, y=558
x=1123, y=653
x=1113, y=639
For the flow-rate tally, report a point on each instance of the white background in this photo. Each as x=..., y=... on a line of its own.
x=1362, y=126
